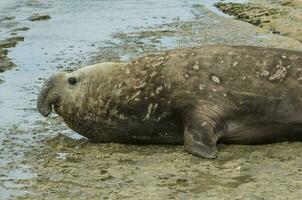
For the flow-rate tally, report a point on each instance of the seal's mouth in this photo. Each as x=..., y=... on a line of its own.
x=46, y=104
x=57, y=108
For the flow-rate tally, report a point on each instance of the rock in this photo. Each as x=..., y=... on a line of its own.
x=20, y=29
x=37, y=17
x=282, y=18
x=5, y=62
x=11, y=42
x=7, y=18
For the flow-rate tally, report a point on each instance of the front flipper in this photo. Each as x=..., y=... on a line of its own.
x=203, y=126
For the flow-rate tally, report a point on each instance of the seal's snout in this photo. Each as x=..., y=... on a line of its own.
x=43, y=105
x=46, y=97
x=50, y=95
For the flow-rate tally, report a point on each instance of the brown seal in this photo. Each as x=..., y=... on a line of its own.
x=196, y=96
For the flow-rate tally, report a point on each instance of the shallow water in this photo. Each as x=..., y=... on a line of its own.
x=77, y=29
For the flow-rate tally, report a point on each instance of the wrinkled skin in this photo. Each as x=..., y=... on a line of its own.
x=196, y=96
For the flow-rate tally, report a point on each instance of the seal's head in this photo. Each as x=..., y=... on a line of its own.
x=66, y=92
x=57, y=91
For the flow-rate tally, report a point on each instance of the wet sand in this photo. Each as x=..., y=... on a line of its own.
x=42, y=159
x=70, y=169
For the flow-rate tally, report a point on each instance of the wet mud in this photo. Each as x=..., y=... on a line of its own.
x=78, y=169
x=42, y=159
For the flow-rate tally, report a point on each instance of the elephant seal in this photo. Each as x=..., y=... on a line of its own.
x=193, y=96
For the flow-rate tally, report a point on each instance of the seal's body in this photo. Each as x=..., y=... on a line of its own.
x=196, y=96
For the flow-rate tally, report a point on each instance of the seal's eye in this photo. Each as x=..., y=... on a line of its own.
x=72, y=81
